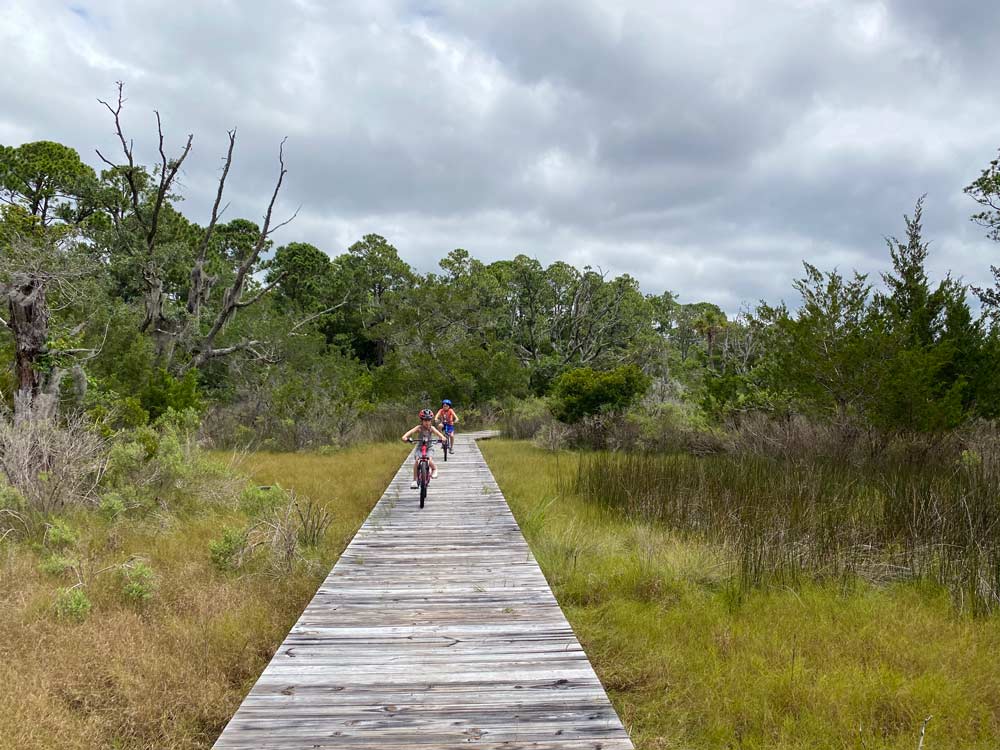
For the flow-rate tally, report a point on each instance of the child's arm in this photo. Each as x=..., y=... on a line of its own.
x=454, y=416
x=410, y=433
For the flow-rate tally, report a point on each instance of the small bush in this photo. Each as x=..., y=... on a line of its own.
x=164, y=393
x=53, y=466
x=313, y=521
x=60, y=535
x=72, y=604
x=259, y=501
x=231, y=550
x=552, y=436
x=112, y=506
x=157, y=462
x=10, y=498
x=57, y=565
x=138, y=582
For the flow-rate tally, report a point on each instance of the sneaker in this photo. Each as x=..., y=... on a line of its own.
x=434, y=474
x=413, y=484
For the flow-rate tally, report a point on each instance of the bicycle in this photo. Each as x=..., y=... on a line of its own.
x=423, y=467
x=449, y=432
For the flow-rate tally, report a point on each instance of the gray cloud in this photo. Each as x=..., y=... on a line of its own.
x=706, y=149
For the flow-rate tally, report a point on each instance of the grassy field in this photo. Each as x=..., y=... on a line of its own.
x=693, y=660
x=167, y=671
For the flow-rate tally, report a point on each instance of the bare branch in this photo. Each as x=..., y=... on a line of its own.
x=196, y=294
x=266, y=230
x=167, y=174
x=246, y=303
x=231, y=299
x=923, y=730
x=93, y=353
x=250, y=346
x=127, y=149
x=302, y=322
x=286, y=222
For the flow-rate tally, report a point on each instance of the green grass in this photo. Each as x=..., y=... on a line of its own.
x=692, y=660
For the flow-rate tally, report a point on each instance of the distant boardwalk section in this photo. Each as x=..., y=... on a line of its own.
x=435, y=629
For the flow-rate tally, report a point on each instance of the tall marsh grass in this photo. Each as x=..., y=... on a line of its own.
x=692, y=660
x=883, y=519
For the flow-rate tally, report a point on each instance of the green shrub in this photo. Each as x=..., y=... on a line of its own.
x=138, y=582
x=112, y=506
x=56, y=565
x=229, y=551
x=584, y=392
x=164, y=393
x=154, y=459
x=10, y=498
x=60, y=535
x=258, y=501
x=72, y=604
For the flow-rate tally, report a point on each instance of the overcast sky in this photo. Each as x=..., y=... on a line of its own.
x=706, y=148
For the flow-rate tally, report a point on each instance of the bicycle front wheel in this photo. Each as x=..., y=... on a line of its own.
x=424, y=478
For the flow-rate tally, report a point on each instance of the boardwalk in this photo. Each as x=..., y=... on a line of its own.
x=435, y=629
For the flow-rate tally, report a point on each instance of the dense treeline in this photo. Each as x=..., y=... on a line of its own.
x=118, y=303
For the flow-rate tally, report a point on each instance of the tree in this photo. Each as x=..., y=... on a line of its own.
x=986, y=192
x=305, y=277
x=932, y=344
x=47, y=180
x=45, y=187
x=583, y=391
x=829, y=352
x=30, y=273
x=190, y=333
x=378, y=279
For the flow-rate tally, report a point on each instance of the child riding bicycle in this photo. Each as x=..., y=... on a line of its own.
x=447, y=417
x=426, y=431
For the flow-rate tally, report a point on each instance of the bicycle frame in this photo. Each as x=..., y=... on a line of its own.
x=424, y=469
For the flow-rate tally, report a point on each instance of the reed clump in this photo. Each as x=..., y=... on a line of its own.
x=886, y=517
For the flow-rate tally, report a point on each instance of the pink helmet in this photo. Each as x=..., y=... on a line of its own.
x=426, y=414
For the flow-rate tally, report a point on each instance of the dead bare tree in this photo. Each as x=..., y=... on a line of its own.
x=183, y=328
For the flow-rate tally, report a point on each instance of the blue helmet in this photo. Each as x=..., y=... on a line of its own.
x=446, y=402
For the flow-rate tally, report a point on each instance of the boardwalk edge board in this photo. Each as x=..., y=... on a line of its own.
x=435, y=629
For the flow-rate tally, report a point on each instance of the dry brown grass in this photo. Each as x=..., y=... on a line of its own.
x=170, y=673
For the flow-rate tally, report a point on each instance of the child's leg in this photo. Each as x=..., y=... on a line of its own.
x=433, y=465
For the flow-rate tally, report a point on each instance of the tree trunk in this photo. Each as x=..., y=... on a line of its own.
x=29, y=322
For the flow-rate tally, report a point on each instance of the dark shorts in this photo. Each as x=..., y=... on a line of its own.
x=449, y=429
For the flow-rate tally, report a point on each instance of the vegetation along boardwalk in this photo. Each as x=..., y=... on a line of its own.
x=436, y=628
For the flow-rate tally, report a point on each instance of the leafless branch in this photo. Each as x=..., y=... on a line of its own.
x=302, y=322
x=246, y=303
x=244, y=346
x=231, y=299
x=92, y=352
x=167, y=174
x=923, y=730
x=198, y=279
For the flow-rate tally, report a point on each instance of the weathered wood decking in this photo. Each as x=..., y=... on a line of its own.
x=435, y=629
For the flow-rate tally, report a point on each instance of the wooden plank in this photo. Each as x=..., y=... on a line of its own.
x=435, y=629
